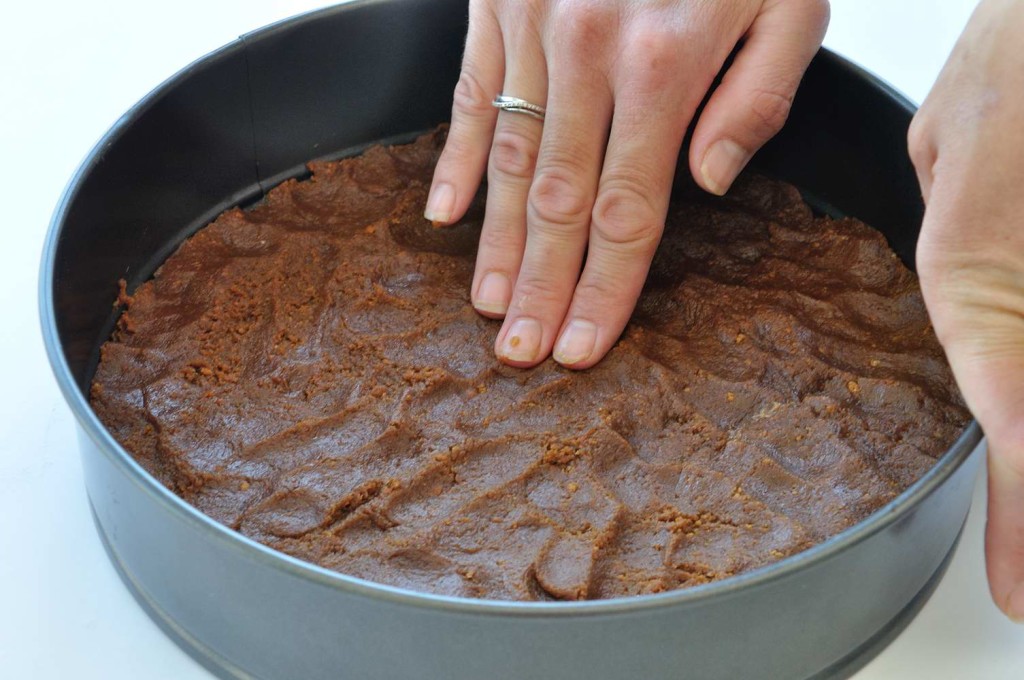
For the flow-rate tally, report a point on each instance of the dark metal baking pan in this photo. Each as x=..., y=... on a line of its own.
x=249, y=115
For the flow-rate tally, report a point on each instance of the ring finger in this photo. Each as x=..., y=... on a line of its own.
x=510, y=171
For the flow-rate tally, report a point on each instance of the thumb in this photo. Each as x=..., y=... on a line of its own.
x=975, y=296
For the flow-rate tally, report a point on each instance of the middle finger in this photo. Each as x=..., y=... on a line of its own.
x=560, y=199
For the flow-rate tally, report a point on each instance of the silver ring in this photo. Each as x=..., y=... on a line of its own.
x=517, y=105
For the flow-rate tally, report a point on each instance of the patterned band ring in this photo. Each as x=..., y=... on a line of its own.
x=517, y=105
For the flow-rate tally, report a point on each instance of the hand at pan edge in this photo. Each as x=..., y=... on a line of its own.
x=967, y=143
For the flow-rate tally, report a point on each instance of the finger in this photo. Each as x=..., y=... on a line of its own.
x=513, y=157
x=971, y=268
x=461, y=165
x=628, y=217
x=990, y=371
x=753, y=100
x=559, y=205
x=1004, y=533
x=980, y=320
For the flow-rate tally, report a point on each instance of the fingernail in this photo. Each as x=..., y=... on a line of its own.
x=577, y=342
x=440, y=204
x=522, y=342
x=722, y=162
x=493, y=294
x=1015, y=604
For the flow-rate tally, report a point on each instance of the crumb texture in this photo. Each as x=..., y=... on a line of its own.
x=309, y=372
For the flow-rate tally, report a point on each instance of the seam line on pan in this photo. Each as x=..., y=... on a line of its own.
x=250, y=100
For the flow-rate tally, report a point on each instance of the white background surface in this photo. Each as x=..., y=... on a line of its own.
x=67, y=71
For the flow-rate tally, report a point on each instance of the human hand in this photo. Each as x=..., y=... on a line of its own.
x=967, y=143
x=621, y=82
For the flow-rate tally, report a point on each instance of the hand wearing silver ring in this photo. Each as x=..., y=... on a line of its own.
x=607, y=90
